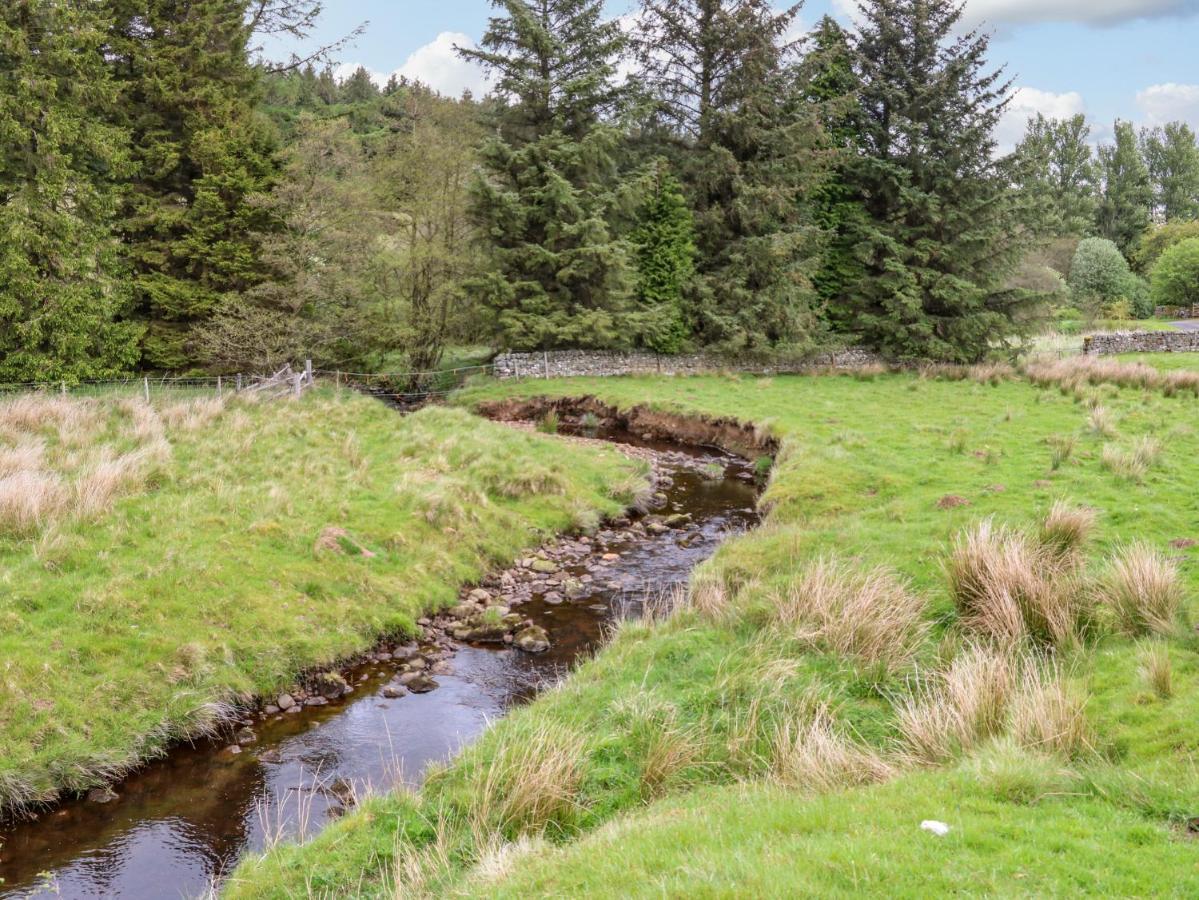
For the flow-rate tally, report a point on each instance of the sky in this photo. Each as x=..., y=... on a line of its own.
x=1129, y=59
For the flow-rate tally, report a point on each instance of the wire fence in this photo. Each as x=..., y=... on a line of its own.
x=151, y=387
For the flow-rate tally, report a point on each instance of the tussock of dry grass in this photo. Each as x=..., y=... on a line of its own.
x=531, y=781
x=1048, y=716
x=1066, y=531
x=1010, y=587
x=672, y=751
x=1157, y=669
x=872, y=615
x=1143, y=590
x=960, y=707
x=1101, y=422
x=1073, y=374
x=813, y=756
x=29, y=500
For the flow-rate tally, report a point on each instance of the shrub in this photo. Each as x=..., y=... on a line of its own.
x=1143, y=590
x=1160, y=238
x=1099, y=274
x=1175, y=278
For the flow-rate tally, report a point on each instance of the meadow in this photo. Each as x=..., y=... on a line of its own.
x=163, y=564
x=970, y=602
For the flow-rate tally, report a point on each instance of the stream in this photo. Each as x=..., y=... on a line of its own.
x=180, y=824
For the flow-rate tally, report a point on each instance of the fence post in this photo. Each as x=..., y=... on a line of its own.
x=308, y=371
x=338, y=381
x=220, y=390
x=545, y=372
x=298, y=380
x=146, y=387
x=239, y=382
x=64, y=388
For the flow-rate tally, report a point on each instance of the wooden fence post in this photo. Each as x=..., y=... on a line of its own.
x=239, y=382
x=308, y=371
x=298, y=380
x=146, y=387
x=220, y=390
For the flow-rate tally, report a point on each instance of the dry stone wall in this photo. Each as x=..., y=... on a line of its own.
x=575, y=363
x=1141, y=342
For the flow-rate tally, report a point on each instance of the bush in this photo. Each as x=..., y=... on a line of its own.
x=1160, y=238
x=1099, y=274
x=1176, y=275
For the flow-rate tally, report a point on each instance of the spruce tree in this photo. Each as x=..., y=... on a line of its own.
x=943, y=233
x=749, y=151
x=1056, y=173
x=559, y=275
x=1172, y=156
x=61, y=287
x=1124, y=202
x=664, y=250
x=201, y=151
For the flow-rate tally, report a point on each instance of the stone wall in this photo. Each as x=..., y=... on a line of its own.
x=573, y=363
x=1141, y=342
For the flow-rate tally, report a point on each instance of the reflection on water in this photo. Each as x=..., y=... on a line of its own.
x=184, y=821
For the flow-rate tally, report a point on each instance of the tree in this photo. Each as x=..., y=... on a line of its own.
x=1175, y=278
x=832, y=85
x=749, y=148
x=1160, y=238
x=559, y=276
x=62, y=290
x=201, y=151
x=1123, y=213
x=1172, y=156
x=1056, y=174
x=1099, y=275
x=664, y=250
x=943, y=233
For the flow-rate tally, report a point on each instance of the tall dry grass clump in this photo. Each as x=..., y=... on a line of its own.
x=872, y=615
x=26, y=456
x=813, y=756
x=29, y=500
x=1012, y=585
x=1143, y=590
x=1048, y=715
x=1101, y=422
x=960, y=706
x=1157, y=669
x=1066, y=531
x=531, y=781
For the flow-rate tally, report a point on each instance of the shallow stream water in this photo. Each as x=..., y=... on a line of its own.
x=182, y=823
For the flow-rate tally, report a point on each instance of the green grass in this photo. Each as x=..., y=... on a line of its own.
x=1166, y=362
x=199, y=584
x=684, y=715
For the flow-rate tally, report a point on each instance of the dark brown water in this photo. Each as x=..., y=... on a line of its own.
x=182, y=823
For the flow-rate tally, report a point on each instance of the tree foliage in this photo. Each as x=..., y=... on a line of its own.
x=1124, y=203
x=1175, y=278
x=943, y=232
x=664, y=252
x=1172, y=158
x=1056, y=174
x=62, y=288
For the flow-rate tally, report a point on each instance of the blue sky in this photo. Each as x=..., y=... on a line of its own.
x=1133, y=59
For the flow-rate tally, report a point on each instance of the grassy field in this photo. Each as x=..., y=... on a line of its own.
x=159, y=563
x=829, y=686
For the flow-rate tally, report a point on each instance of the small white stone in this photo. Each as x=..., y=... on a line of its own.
x=940, y=829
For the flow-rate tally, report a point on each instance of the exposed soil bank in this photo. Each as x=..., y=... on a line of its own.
x=182, y=822
x=640, y=421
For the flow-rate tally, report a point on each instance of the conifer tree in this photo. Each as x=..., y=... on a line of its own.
x=943, y=233
x=560, y=276
x=1124, y=202
x=664, y=249
x=61, y=287
x=722, y=74
x=1172, y=156
x=201, y=151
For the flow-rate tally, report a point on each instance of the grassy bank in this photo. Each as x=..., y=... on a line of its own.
x=827, y=687
x=161, y=563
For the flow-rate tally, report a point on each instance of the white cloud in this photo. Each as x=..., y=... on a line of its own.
x=345, y=70
x=1026, y=103
x=1161, y=103
x=441, y=68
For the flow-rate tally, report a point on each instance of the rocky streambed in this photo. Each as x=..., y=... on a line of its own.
x=299, y=759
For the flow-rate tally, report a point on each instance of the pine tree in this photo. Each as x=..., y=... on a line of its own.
x=1172, y=156
x=1124, y=202
x=832, y=84
x=664, y=249
x=722, y=74
x=943, y=234
x=560, y=277
x=1056, y=173
x=61, y=287
x=188, y=93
